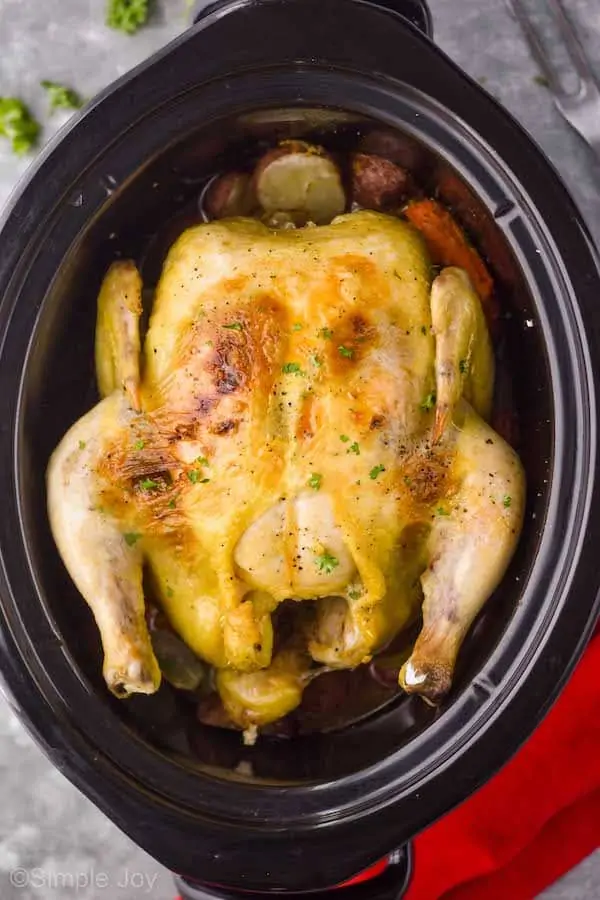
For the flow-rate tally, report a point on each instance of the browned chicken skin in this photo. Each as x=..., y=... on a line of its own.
x=308, y=423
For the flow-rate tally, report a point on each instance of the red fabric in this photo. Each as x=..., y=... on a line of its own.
x=535, y=819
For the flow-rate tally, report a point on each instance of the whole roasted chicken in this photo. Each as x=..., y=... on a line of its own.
x=307, y=421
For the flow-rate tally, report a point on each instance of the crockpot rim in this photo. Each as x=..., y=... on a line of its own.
x=108, y=94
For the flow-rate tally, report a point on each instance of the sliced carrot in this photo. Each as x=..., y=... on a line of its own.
x=448, y=246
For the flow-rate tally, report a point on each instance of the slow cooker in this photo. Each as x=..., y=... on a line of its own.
x=303, y=815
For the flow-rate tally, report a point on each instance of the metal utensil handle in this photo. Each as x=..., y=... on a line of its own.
x=580, y=107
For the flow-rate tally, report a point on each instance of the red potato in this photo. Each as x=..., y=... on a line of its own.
x=400, y=149
x=302, y=180
x=228, y=196
x=378, y=183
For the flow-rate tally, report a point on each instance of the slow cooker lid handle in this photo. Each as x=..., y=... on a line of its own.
x=416, y=12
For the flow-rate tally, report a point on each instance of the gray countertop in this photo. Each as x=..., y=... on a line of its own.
x=49, y=833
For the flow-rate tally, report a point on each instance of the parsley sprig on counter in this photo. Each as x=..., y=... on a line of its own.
x=127, y=15
x=18, y=125
x=61, y=97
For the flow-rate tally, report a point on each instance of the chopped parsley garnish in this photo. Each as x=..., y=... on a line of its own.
x=127, y=15
x=82, y=445
x=440, y=511
x=131, y=538
x=346, y=352
x=291, y=368
x=315, y=481
x=139, y=445
x=171, y=504
x=148, y=484
x=297, y=326
x=344, y=438
x=326, y=334
x=407, y=480
x=234, y=326
x=429, y=402
x=507, y=500
x=195, y=477
x=354, y=593
x=376, y=471
x=202, y=461
x=316, y=360
x=326, y=562
x=18, y=125
x=61, y=97
x=354, y=448
x=463, y=367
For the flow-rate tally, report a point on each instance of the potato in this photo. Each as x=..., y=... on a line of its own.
x=302, y=180
x=400, y=149
x=227, y=196
x=377, y=183
x=258, y=698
